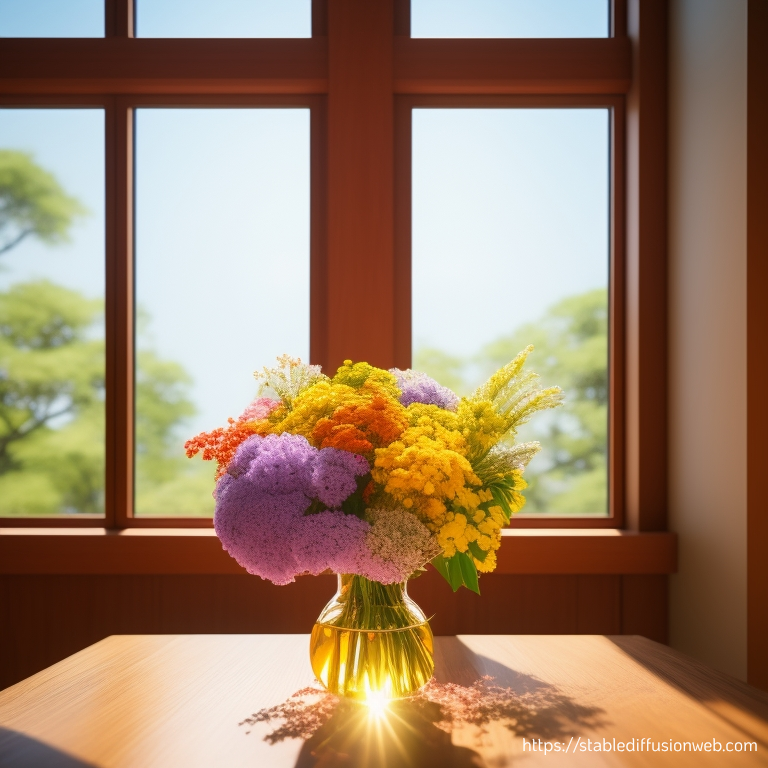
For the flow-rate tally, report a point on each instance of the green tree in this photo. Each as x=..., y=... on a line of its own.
x=51, y=399
x=571, y=350
x=167, y=482
x=52, y=408
x=32, y=202
x=52, y=375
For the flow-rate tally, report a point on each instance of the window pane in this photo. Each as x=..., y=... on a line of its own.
x=222, y=280
x=223, y=18
x=51, y=18
x=510, y=248
x=509, y=18
x=51, y=312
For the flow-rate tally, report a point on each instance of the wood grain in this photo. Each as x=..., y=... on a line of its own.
x=177, y=700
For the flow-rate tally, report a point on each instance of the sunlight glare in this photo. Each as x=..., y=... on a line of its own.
x=377, y=700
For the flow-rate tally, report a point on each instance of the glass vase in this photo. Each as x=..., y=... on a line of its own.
x=372, y=640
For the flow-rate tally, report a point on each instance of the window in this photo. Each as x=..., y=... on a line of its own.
x=510, y=18
x=365, y=84
x=222, y=216
x=510, y=247
x=223, y=18
x=52, y=312
x=52, y=18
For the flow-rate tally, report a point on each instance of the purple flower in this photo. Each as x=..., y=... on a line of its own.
x=333, y=475
x=262, y=500
x=417, y=387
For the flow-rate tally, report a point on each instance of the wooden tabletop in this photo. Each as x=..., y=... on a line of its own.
x=189, y=700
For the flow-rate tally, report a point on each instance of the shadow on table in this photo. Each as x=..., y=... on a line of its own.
x=470, y=693
x=22, y=751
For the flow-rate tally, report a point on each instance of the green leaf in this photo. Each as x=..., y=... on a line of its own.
x=455, y=572
x=468, y=571
x=477, y=553
x=354, y=504
x=441, y=566
x=458, y=571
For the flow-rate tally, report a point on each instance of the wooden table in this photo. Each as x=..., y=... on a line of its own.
x=172, y=701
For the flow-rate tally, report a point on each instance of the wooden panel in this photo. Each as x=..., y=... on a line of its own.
x=599, y=605
x=177, y=700
x=757, y=343
x=644, y=607
x=145, y=65
x=46, y=618
x=360, y=183
x=173, y=551
x=646, y=275
x=512, y=66
x=521, y=604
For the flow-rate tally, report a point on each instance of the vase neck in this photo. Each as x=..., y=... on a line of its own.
x=359, y=588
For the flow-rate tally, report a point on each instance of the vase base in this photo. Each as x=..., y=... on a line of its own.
x=363, y=664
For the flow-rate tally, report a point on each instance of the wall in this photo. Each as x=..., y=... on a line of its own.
x=707, y=329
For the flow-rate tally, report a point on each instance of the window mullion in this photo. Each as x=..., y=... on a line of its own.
x=119, y=18
x=119, y=314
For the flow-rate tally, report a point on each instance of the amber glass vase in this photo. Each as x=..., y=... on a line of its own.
x=372, y=640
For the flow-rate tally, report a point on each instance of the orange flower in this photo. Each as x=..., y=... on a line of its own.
x=362, y=426
x=345, y=437
x=222, y=443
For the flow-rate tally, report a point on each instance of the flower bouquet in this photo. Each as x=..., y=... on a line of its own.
x=372, y=474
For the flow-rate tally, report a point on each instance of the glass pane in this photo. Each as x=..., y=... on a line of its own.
x=223, y=18
x=509, y=18
x=222, y=280
x=51, y=312
x=510, y=248
x=51, y=18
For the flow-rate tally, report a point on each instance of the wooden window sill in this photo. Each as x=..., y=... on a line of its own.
x=96, y=551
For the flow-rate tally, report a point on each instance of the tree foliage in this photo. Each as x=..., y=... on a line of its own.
x=52, y=407
x=52, y=388
x=32, y=202
x=571, y=350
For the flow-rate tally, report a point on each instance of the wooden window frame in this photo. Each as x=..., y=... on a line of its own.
x=358, y=236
